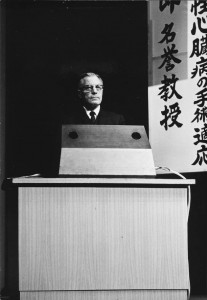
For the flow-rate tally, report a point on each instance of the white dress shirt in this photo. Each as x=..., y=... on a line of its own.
x=96, y=111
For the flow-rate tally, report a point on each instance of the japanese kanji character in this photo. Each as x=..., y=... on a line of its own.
x=169, y=35
x=171, y=3
x=199, y=46
x=201, y=4
x=201, y=156
x=169, y=57
x=200, y=22
x=202, y=97
x=171, y=115
x=201, y=67
x=169, y=83
x=201, y=26
x=200, y=115
x=201, y=135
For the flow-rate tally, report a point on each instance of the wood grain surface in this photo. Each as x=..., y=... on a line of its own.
x=101, y=238
x=106, y=295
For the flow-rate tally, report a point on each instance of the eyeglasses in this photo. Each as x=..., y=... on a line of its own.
x=90, y=88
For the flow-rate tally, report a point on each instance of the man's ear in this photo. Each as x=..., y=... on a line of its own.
x=79, y=94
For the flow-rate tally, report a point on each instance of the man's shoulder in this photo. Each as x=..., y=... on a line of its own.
x=78, y=116
x=110, y=114
x=75, y=115
x=111, y=118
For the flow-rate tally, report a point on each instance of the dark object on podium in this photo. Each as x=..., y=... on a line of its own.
x=105, y=150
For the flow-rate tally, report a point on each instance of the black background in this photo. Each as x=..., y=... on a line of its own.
x=48, y=44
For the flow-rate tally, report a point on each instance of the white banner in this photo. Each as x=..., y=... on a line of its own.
x=178, y=94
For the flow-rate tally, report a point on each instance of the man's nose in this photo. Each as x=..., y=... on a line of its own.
x=94, y=90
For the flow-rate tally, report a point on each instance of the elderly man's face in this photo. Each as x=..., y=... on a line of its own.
x=91, y=91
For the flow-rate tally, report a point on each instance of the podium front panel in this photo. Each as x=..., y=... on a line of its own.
x=102, y=238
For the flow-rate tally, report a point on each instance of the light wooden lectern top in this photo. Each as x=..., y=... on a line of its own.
x=105, y=150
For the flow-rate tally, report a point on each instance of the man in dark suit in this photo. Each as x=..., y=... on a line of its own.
x=90, y=93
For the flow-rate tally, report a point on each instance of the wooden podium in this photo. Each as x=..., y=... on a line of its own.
x=86, y=238
x=107, y=235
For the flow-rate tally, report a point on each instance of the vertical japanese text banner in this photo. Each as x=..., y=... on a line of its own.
x=178, y=91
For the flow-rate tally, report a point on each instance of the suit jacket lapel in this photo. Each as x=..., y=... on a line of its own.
x=100, y=118
x=83, y=118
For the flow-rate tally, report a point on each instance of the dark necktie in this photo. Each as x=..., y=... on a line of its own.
x=93, y=119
